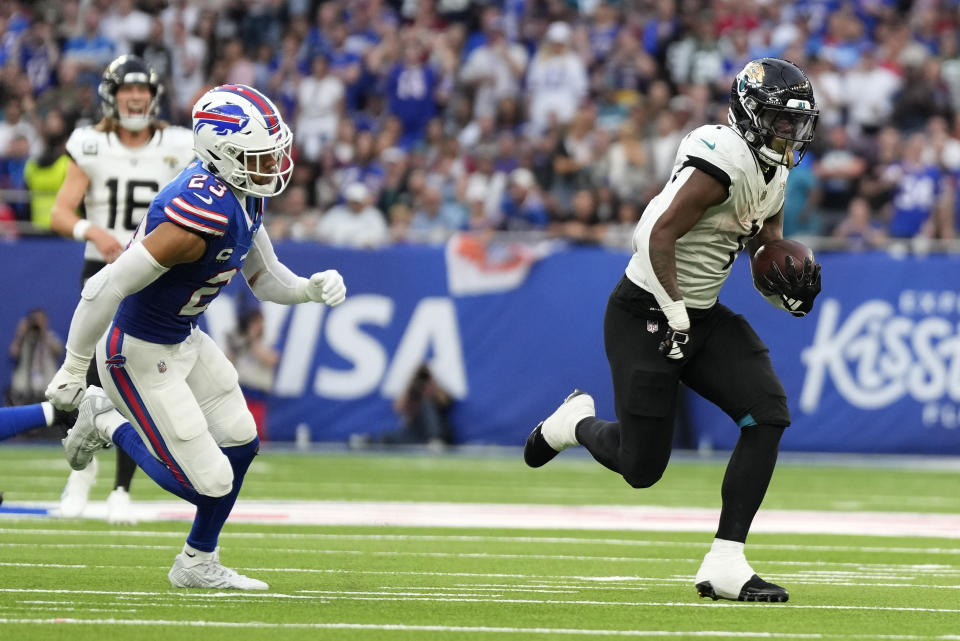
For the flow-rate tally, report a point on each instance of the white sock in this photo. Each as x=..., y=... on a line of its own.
x=726, y=548
x=193, y=556
x=47, y=412
x=110, y=421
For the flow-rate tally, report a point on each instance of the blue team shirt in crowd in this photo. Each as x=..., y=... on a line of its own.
x=166, y=311
x=914, y=201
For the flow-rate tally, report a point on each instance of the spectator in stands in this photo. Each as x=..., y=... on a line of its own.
x=36, y=351
x=584, y=225
x=574, y=154
x=697, y=58
x=255, y=362
x=494, y=70
x=355, y=223
x=15, y=125
x=364, y=167
x=800, y=216
x=924, y=95
x=291, y=216
x=522, y=205
x=393, y=188
x=413, y=88
x=663, y=146
x=858, y=229
x=434, y=221
x=320, y=100
x=839, y=170
x=38, y=55
x=91, y=50
x=627, y=166
x=13, y=165
x=872, y=88
x=556, y=80
x=126, y=26
x=919, y=204
x=189, y=64
x=44, y=174
x=77, y=101
x=878, y=183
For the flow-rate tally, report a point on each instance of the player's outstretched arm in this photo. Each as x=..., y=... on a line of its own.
x=65, y=221
x=140, y=265
x=271, y=280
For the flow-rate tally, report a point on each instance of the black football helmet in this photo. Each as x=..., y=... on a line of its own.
x=128, y=70
x=773, y=108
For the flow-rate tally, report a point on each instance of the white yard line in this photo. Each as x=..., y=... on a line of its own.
x=722, y=634
x=345, y=595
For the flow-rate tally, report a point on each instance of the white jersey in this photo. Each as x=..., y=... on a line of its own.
x=124, y=180
x=705, y=253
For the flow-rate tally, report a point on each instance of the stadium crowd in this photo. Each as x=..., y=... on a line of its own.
x=417, y=118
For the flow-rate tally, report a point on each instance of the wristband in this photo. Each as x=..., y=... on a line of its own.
x=676, y=313
x=80, y=229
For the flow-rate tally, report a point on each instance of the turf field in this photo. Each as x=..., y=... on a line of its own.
x=82, y=579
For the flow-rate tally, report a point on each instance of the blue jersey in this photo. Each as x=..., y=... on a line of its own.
x=167, y=309
x=914, y=201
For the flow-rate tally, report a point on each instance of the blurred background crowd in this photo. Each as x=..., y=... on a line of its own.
x=550, y=118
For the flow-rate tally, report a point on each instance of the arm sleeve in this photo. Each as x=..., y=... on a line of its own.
x=101, y=296
x=269, y=279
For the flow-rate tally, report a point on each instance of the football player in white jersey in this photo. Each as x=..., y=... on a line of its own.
x=116, y=168
x=663, y=323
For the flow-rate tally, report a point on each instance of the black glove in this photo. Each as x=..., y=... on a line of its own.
x=672, y=344
x=796, y=289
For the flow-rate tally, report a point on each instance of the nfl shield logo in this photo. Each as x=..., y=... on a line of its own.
x=161, y=367
x=652, y=326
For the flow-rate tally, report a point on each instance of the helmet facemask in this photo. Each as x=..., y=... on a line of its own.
x=261, y=172
x=772, y=106
x=785, y=131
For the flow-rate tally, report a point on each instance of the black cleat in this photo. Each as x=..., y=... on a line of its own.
x=755, y=589
x=537, y=452
x=64, y=420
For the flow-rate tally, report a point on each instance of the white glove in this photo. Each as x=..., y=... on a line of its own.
x=68, y=386
x=327, y=287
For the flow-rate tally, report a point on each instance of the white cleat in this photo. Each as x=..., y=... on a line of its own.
x=85, y=438
x=724, y=575
x=74, y=497
x=119, y=509
x=560, y=428
x=208, y=573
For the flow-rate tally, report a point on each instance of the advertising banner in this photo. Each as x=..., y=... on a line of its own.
x=509, y=331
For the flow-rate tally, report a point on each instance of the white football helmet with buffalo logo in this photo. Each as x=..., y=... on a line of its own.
x=239, y=135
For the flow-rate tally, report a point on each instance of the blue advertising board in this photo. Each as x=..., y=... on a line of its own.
x=875, y=368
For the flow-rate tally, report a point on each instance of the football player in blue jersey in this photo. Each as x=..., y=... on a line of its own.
x=181, y=414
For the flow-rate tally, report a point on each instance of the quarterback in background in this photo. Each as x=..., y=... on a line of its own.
x=182, y=415
x=664, y=324
x=116, y=168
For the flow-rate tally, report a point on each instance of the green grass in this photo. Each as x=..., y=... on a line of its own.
x=399, y=584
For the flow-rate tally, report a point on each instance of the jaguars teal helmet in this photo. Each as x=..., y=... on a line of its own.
x=129, y=70
x=773, y=108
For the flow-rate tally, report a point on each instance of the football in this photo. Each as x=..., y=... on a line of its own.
x=776, y=251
